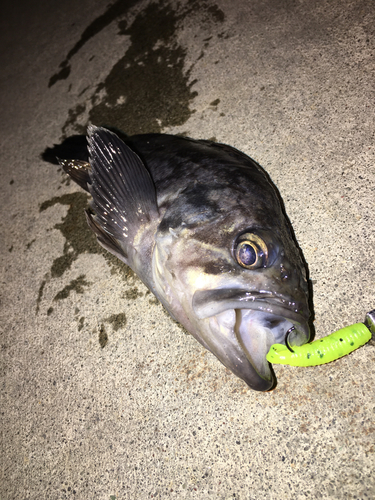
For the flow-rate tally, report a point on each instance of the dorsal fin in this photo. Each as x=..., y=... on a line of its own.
x=78, y=170
x=124, y=197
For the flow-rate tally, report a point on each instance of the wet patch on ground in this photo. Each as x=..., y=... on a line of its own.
x=79, y=239
x=78, y=236
x=115, y=10
x=81, y=323
x=117, y=321
x=78, y=285
x=132, y=293
x=103, y=336
x=40, y=296
x=148, y=88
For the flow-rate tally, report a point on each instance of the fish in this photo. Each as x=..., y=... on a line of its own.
x=204, y=228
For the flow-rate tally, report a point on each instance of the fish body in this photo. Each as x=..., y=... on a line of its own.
x=203, y=226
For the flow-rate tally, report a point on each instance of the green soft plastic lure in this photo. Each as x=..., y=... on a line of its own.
x=321, y=351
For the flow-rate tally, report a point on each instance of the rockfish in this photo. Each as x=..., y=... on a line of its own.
x=204, y=228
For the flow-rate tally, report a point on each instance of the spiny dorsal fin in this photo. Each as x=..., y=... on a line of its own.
x=124, y=197
x=78, y=170
x=106, y=240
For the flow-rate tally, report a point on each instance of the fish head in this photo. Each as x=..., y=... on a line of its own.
x=203, y=226
x=237, y=282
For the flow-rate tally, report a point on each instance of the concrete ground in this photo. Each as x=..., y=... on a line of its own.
x=103, y=396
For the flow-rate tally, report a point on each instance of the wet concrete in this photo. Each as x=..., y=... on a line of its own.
x=103, y=394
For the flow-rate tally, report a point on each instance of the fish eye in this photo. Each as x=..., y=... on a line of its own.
x=251, y=251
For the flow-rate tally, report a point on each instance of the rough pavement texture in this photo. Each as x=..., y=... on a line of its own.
x=103, y=396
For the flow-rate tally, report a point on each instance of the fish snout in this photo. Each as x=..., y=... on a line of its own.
x=242, y=326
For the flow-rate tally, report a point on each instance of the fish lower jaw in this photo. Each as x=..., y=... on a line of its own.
x=256, y=332
x=247, y=336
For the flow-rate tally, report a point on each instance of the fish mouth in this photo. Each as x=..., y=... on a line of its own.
x=243, y=325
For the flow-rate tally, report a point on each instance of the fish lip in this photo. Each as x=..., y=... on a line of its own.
x=207, y=303
x=247, y=359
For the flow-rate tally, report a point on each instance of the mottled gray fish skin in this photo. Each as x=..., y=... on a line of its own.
x=203, y=227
